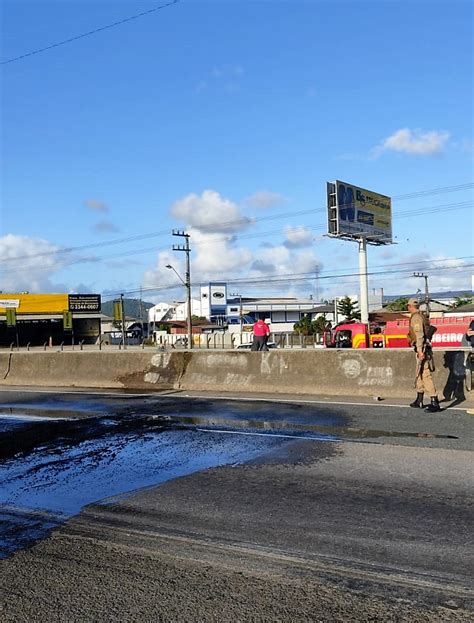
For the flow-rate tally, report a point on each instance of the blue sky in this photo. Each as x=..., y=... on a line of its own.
x=207, y=112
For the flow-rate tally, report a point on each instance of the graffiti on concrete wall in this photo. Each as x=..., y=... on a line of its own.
x=355, y=368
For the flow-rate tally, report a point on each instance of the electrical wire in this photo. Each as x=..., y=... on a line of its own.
x=244, y=221
x=309, y=276
x=89, y=33
x=321, y=227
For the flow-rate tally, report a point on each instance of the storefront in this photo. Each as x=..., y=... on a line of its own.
x=38, y=319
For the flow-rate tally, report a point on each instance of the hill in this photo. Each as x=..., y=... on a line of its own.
x=131, y=308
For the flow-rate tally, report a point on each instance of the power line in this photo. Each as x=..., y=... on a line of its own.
x=121, y=254
x=89, y=33
x=217, y=227
x=139, y=251
x=433, y=191
x=309, y=275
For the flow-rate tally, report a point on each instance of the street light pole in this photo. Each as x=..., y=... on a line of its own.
x=185, y=248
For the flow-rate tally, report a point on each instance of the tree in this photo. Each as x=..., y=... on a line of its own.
x=319, y=325
x=303, y=326
x=459, y=301
x=348, y=308
x=306, y=326
x=399, y=304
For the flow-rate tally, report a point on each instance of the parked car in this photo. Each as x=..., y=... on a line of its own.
x=115, y=337
x=249, y=346
x=181, y=342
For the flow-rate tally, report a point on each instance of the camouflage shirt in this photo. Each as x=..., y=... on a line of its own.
x=416, y=334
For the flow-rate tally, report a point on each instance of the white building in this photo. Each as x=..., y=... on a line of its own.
x=219, y=308
x=181, y=310
x=160, y=312
x=281, y=313
x=213, y=301
x=163, y=312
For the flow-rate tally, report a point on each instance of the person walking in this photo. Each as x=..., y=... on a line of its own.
x=261, y=331
x=417, y=337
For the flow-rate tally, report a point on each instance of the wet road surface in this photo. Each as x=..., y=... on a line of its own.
x=324, y=508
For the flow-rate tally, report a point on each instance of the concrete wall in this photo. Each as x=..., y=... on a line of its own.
x=120, y=369
x=386, y=373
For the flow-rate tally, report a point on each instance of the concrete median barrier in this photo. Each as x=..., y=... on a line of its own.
x=386, y=373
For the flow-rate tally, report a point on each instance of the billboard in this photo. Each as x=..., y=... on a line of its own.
x=84, y=302
x=50, y=303
x=35, y=303
x=355, y=212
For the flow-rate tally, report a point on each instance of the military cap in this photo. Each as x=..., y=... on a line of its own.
x=414, y=302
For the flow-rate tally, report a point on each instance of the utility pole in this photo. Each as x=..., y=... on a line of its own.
x=141, y=311
x=124, y=341
x=185, y=248
x=427, y=292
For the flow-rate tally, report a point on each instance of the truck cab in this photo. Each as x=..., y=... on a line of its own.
x=347, y=335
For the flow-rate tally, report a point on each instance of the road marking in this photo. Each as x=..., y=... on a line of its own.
x=238, y=432
x=175, y=394
x=316, y=402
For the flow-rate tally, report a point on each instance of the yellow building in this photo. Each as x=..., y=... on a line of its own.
x=41, y=318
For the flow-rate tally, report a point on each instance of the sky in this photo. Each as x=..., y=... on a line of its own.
x=225, y=119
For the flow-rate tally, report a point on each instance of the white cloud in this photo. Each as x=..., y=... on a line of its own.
x=214, y=257
x=32, y=272
x=282, y=261
x=224, y=71
x=271, y=260
x=452, y=274
x=209, y=212
x=96, y=206
x=264, y=199
x=162, y=277
x=105, y=227
x=414, y=142
x=297, y=237
x=212, y=220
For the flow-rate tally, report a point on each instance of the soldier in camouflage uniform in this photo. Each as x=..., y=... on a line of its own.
x=417, y=338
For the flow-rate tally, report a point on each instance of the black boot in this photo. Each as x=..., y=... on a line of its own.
x=434, y=406
x=418, y=403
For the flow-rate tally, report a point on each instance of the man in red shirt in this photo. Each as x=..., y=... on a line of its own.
x=261, y=331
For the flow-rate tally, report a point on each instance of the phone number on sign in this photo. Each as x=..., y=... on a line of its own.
x=84, y=307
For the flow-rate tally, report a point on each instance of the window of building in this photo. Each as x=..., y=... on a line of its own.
x=278, y=316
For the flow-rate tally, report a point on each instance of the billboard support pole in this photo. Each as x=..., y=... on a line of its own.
x=363, y=281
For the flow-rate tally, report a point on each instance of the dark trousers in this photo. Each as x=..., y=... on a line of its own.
x=259, y=342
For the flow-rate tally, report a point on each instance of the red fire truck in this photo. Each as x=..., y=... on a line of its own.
x=450, y=333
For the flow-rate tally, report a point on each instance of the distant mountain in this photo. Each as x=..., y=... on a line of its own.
x=449, y=294
x=131, y=308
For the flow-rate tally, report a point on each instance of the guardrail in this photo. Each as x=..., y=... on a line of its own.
x=212, y=341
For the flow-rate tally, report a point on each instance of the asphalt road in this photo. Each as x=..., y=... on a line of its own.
x=121, y=507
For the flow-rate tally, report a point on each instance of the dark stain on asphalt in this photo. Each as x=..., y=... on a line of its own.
x=55, y=461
